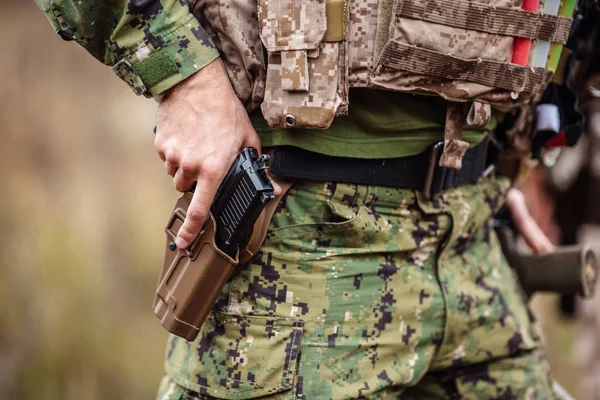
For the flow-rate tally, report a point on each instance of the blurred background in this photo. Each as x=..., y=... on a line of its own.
x=83, y=202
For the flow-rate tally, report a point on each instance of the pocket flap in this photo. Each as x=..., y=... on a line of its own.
x=292, y=25
x=294, y=71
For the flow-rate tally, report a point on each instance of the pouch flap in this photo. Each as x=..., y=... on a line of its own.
x=240, y=357
x=292, y=25
x=294, y=70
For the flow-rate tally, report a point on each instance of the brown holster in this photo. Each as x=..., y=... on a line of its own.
x=191, y=279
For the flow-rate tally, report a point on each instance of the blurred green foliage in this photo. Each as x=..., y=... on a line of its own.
x=83, y=201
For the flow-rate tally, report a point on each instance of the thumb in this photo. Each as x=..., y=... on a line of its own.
x=276, y=187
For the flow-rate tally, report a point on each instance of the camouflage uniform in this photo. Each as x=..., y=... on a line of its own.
x=151, y=45
x=359, y=291
x=369, y=292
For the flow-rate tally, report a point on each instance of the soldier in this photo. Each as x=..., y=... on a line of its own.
x=381, y=275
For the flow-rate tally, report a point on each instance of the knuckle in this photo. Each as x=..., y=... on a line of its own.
x=188, y=166
x=195, y=215
x=159, y=144
x=211, y=168
x=186, y=235
x=171, y=158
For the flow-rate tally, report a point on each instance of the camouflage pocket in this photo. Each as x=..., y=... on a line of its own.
x=305, y=213
x=302, y=70
x=242, y=357
x=341, y=227
x=462, y=50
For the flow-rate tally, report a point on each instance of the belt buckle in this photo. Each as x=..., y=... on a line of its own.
x=433, y=160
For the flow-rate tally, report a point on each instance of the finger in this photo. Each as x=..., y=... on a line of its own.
x=159, y=146
x=183, y=180
x=526, y=226
x=276, y=188
x=196, y=213
x=171, y=168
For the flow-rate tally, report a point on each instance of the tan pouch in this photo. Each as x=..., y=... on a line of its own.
x=462, y=50
x=191, y=279
x=303, y=71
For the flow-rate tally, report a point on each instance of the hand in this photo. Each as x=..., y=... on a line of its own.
x=525, y=225
x=201, y=127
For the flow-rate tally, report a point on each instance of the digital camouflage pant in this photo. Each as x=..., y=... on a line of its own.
x=369, y=292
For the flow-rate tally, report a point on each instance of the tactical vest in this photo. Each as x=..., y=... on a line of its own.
x=316, y=50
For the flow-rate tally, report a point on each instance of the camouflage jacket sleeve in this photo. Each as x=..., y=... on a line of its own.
x=151, y=44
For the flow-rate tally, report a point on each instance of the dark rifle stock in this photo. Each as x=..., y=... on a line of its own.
x=568, y=270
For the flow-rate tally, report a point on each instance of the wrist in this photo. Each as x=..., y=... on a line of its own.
x=213, y=77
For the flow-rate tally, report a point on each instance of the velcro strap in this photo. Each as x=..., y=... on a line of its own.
x=454, y=147
x=337, y=20
x=516, y=78
x=294, y=70
x=125, y=71
x=485, y=18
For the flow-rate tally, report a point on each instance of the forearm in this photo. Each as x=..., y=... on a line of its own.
x=151, y=46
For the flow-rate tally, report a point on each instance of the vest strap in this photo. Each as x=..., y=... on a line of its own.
x=479, y=115
x=454, y=147
x=484, y=18
x=516, y=78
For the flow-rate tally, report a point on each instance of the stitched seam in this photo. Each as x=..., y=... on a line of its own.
x=289, y=356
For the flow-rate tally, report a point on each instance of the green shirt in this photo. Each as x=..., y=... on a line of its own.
x=379, y=125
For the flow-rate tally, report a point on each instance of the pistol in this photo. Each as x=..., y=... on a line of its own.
x=192, y=278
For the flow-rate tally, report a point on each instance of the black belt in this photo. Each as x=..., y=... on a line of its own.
x=419, y=172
